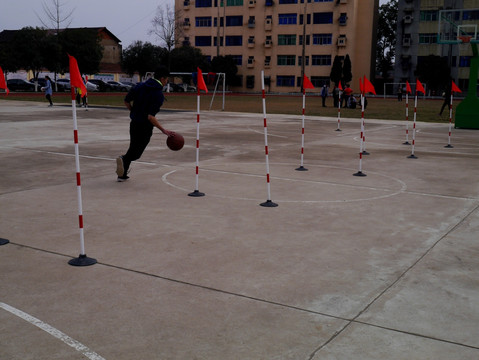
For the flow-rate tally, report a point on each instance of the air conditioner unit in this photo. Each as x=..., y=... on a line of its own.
x=342, y=41
x=406, y=41
x=252, y=3
x=408, y=19
x=268, y=43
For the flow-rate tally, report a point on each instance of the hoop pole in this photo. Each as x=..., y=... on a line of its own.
x=450, y=124
x=301, y=167
x=82, y=260
x=196, y=192
x=360, y=171
x=268, y=202
x=407, y=120
x=412, y=156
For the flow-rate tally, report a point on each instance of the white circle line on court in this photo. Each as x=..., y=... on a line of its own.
x=52, y=331
x=393, y=193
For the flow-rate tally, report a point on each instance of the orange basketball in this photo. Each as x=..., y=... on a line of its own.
x=175, y=141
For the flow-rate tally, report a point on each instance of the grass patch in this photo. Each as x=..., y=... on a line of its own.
x=378, y=107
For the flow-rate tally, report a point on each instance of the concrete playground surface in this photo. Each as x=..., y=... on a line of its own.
x=384, y=266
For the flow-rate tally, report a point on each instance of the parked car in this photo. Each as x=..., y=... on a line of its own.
x=170, y=87
x=119, y=86
x=20, y=85
x=42, y=82
x=102, y=85
x=92, y=87
x=65, y=83
x=188, y=88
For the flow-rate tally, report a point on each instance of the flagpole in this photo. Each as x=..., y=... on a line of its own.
x=302, y=168
x=450, y=124
x=196, y=192
x=407, y=118
x=268, y=202
x=412, y=156
x=82, y=259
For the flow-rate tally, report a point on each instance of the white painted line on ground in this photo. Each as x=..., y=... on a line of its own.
x=52, y=331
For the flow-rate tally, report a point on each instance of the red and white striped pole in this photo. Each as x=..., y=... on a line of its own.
x=361, y=139
x=407, y=120
x=196, y=192
x=339, y=114
x=82, y=260
x=268, y=202
x=450, y=124
x=412, y=156
x=301, y=167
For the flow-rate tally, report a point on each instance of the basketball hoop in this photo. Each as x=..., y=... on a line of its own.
x=465, y=38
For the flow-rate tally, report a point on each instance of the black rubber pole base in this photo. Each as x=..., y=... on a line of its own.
x=359, y=173
x=448, y=146
x=412, y=156
x=268, y=203
x=338, y=129
x=365, y=152
x=196, y=193
x=3, y=241
x=406, y=143
x=82, y=260
x=301, y=168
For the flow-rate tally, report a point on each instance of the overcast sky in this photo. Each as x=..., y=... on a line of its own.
x=129, y=20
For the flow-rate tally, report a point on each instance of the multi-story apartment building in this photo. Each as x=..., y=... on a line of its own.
x=282, y=37
x=418, y=36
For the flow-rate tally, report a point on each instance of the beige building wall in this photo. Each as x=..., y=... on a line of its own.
x=349, y=28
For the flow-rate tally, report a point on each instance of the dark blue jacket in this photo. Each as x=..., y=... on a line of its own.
x=147, y=100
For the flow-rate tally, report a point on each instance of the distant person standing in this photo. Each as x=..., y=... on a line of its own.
x=399, y=93
x=324, y=94
x=447, y=99
x=48, y=89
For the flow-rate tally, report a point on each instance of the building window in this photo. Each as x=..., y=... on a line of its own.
x=203, y=40
x=429, y=15
x=234, y=40
x=238, y=59
x=323, y=1
x=343, y=19
x=322, y=39
x=284, y=80
x=288, y=1
x=203, y=3
x=301, y=39
x=430, y=38
x=267, y=60
x=216, y=41
x=300, y=61
x=234, y=20
x=464, y=61
x=286, y=39
x=323, y=18
x=321, y=60
x=287, y=60
x=203, y=21
x=215, y=22
x=250, y=81
x=287, y=19
x=269, y=3
x=319, y=81
x=234, y=2
x=470, y=15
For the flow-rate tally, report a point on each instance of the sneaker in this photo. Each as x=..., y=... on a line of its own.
x=122, y=178
x=120, y=169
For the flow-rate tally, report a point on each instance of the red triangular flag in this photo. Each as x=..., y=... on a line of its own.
x=454, y=88
x=201, y=82
x=368, y=87
x=75, y=77
x=306, y=83
x=419, y=87
x=339, y=86
x=3, y=83
x=408, y=87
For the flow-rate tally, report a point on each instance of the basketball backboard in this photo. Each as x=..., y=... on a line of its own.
x=454, y=24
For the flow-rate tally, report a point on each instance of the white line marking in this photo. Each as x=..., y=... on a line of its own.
x=52, y=331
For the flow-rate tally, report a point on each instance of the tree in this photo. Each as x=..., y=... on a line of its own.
x=84, y=45
x=187, y=59
x=142, y=58
x=435, y=72
x=386, y=42
x=336, y=70
x=27, y=47
x=347, y=70
x=54, y=16
x=226, y=65
x=167, y=27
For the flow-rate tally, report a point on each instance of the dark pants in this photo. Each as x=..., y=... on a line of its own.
x=140, y=134
x=49, y=98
